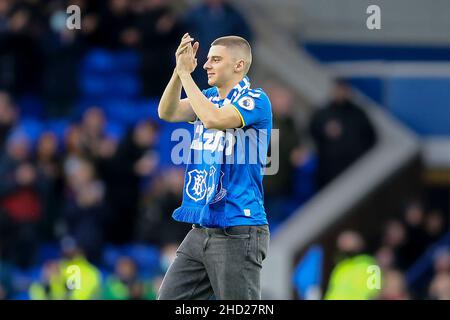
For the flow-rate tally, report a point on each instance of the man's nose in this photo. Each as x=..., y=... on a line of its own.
x=206, y=66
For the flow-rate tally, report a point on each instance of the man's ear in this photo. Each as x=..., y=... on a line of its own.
x=240, y=64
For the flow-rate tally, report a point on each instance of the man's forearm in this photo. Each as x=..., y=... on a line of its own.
x=203, y=108
x=170, y=98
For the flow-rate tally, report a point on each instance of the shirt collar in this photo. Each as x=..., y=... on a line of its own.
x=235, y=92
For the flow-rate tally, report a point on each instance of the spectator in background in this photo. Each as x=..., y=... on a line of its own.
x=160, y=29
x=154, y=224
x=96, y=145
x=395, y=238
x=439, y=288
x=434, y=227
x=151, y=217
x=442, y=261
x=394, y=286
x=85, y=210
x=342, y=133
x=174, y=232
x=125, y=283
x=348, y=280
x=168, y=254
x=5, y=7
x=20, y=204
x=49, y=171
x=416, y=238
x=115, y=27
x=385, y=257
x=90, y=280
x=6, y=287
x=51, y=284
x=278, y=188
x=75, y=163
x=92, y=132
x=210, y=20
x=8, y=117
x=20, y=53
x=402, y=244
x=90, y=21
x=73, y=148
x=136, y=160
x=62, y=49
x=304, y=162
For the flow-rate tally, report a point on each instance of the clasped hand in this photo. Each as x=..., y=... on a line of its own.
x=185, y=55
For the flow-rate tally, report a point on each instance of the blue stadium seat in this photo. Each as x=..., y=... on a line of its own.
x=115, y=130
x=22, y=279
x=105, y=273
x=145, y=256
x=21, y=296
x=165, y=144
x=111, y=254
x=129, y=112
x=148, y=108
x=31, y=128
x=127, y=60
x=119, y=110
x=30, y=106
x=93, y=85
x=58, y=127
x=123, y=85
x=48, y=251
x=103, y=61
x=86, y=102
x=98, y=61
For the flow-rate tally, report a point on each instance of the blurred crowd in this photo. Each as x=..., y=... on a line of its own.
x=80, y=188
x=97, y=195
x=412, y=252
x=38, y=50
x=88, y=188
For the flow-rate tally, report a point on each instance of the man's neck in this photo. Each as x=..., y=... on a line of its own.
x=225, y=89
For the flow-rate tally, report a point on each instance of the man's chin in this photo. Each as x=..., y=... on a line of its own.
x=211, y=82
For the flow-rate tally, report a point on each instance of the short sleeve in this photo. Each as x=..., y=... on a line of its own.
x=253, y=108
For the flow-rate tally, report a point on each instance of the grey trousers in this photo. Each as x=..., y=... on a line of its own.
x=224, y=264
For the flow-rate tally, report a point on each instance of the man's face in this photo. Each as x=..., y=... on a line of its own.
x=7, y=112
x=341, y=93
x=219, y=65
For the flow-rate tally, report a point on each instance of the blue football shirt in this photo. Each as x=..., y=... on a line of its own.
x=239, y=198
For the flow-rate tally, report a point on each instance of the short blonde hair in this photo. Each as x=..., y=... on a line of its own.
x=239, y=45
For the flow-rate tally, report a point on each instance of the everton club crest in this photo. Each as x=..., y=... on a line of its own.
x=196, y=186
x=201, y=184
